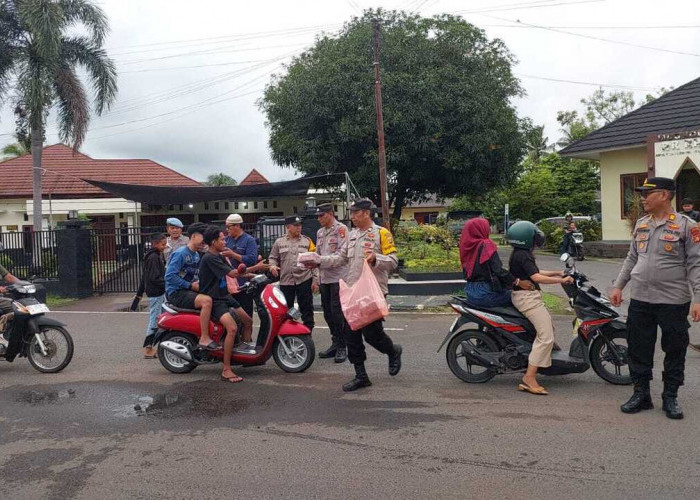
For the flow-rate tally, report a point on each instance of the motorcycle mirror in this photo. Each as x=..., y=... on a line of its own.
x=564, y=257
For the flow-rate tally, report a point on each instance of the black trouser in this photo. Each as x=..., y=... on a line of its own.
x=373, y=334
x=305, y=298
x=333, y=313
x=643, y=319
x=246, y=302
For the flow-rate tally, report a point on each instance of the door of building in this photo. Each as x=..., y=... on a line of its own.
x=104, y=231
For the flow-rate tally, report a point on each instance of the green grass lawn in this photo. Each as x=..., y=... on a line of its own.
x=56, y=301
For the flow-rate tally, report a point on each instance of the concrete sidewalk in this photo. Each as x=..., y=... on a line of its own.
x=122, y=301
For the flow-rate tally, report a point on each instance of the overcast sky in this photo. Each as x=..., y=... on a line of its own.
x=191, y=72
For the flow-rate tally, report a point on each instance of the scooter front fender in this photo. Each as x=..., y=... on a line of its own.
x=291, y=327
x=456, y=325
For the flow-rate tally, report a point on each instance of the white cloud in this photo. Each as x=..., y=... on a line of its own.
x=230, y=136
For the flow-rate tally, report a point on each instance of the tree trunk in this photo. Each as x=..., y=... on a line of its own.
x=399, y=200
x=37, y=147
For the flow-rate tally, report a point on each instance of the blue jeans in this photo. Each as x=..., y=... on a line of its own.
x=482, y=295
x=155, y=307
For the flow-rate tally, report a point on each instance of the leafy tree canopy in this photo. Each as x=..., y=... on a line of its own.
x=450, y=126
x=220, y=179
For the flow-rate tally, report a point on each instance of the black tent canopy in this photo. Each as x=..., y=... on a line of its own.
x=171, y=195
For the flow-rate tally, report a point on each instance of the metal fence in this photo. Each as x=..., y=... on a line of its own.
x=27, y=254
x=116, y=253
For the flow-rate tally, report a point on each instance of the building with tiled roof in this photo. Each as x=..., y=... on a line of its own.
x=661, y=138
x=64, y=189
x=254, y=177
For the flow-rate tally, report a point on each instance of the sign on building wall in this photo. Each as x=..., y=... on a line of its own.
x=672, y=152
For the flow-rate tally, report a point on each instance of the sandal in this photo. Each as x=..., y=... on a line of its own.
x=233, y=380
x=539, y=391
x=211, y=346
x=152, y=356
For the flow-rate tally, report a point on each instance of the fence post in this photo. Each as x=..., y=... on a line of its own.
x=74, y=258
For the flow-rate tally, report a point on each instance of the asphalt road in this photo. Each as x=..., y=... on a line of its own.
x=424, y=433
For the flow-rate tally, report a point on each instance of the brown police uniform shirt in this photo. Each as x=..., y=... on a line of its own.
x=284, y=254
x=663, y=263
x=331, y=241
x=377, y=239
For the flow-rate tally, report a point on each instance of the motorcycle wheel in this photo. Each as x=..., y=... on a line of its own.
x=303, y=353
x=463, y=370
x=171, y=362
x=605, y=363
x=59, y=347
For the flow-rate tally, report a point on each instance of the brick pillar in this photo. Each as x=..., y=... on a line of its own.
x=74, y=258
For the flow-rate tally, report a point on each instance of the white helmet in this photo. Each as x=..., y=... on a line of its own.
x=234, y=219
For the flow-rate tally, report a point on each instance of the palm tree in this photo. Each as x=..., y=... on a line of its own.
x=537, y=144
x=39, y=56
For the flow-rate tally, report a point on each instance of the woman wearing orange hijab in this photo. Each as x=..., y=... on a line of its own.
x=488, y=284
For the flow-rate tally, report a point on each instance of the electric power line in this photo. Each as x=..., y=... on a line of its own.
x=591, y=37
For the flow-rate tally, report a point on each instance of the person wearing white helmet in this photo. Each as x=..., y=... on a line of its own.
x=241, y=248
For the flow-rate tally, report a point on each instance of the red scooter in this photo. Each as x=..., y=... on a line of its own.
x=280, y=335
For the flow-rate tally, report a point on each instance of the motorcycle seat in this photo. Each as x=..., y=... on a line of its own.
x=169, y=306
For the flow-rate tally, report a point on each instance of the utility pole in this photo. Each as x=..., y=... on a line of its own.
x=380, y=127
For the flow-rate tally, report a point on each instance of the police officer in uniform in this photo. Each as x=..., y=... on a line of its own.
x=374, y=244
x=663, y=260
x=330, y=239
x=295, y=282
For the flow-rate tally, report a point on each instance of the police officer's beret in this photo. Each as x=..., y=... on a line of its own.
x=324, y=208
x=658, y=183
x=292, y=219
x=362, y=204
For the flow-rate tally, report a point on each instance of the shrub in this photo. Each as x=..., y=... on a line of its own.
x=592, y=230
x=410, y=234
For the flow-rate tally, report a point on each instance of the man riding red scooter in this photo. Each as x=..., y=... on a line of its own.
x=280, y=334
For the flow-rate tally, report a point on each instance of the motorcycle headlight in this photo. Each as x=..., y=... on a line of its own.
x=28, y=289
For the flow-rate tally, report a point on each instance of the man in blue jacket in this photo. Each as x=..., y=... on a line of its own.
x=240, y=248
x=182, y=282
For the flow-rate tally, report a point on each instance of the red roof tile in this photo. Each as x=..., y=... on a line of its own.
x=254, y=177
x=65, y=169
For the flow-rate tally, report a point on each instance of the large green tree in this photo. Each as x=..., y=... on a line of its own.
x=42, y=45
x=450, y=125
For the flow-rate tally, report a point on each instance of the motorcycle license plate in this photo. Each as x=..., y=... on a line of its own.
x=38, y=308
x=577, y=324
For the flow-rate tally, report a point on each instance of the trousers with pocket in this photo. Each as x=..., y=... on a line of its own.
x=333, y=313
x=305, y=297
x=643, y=321
x=530, y=303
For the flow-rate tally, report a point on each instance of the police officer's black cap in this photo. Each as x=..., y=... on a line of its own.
x=658, y=183
x=687, y=201
x=324, y=208
x=292, y=219
x=362, y=204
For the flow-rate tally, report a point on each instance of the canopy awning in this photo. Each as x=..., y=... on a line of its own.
x=171, y=195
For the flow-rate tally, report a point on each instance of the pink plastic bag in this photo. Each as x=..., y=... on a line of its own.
x=363, y=303
x=231, y=283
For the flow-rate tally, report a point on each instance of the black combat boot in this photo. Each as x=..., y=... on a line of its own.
x=640, y=400
x=341, y=354
x=329, y=353
x=395, y=360
x=361, y=379
x=670, y=402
